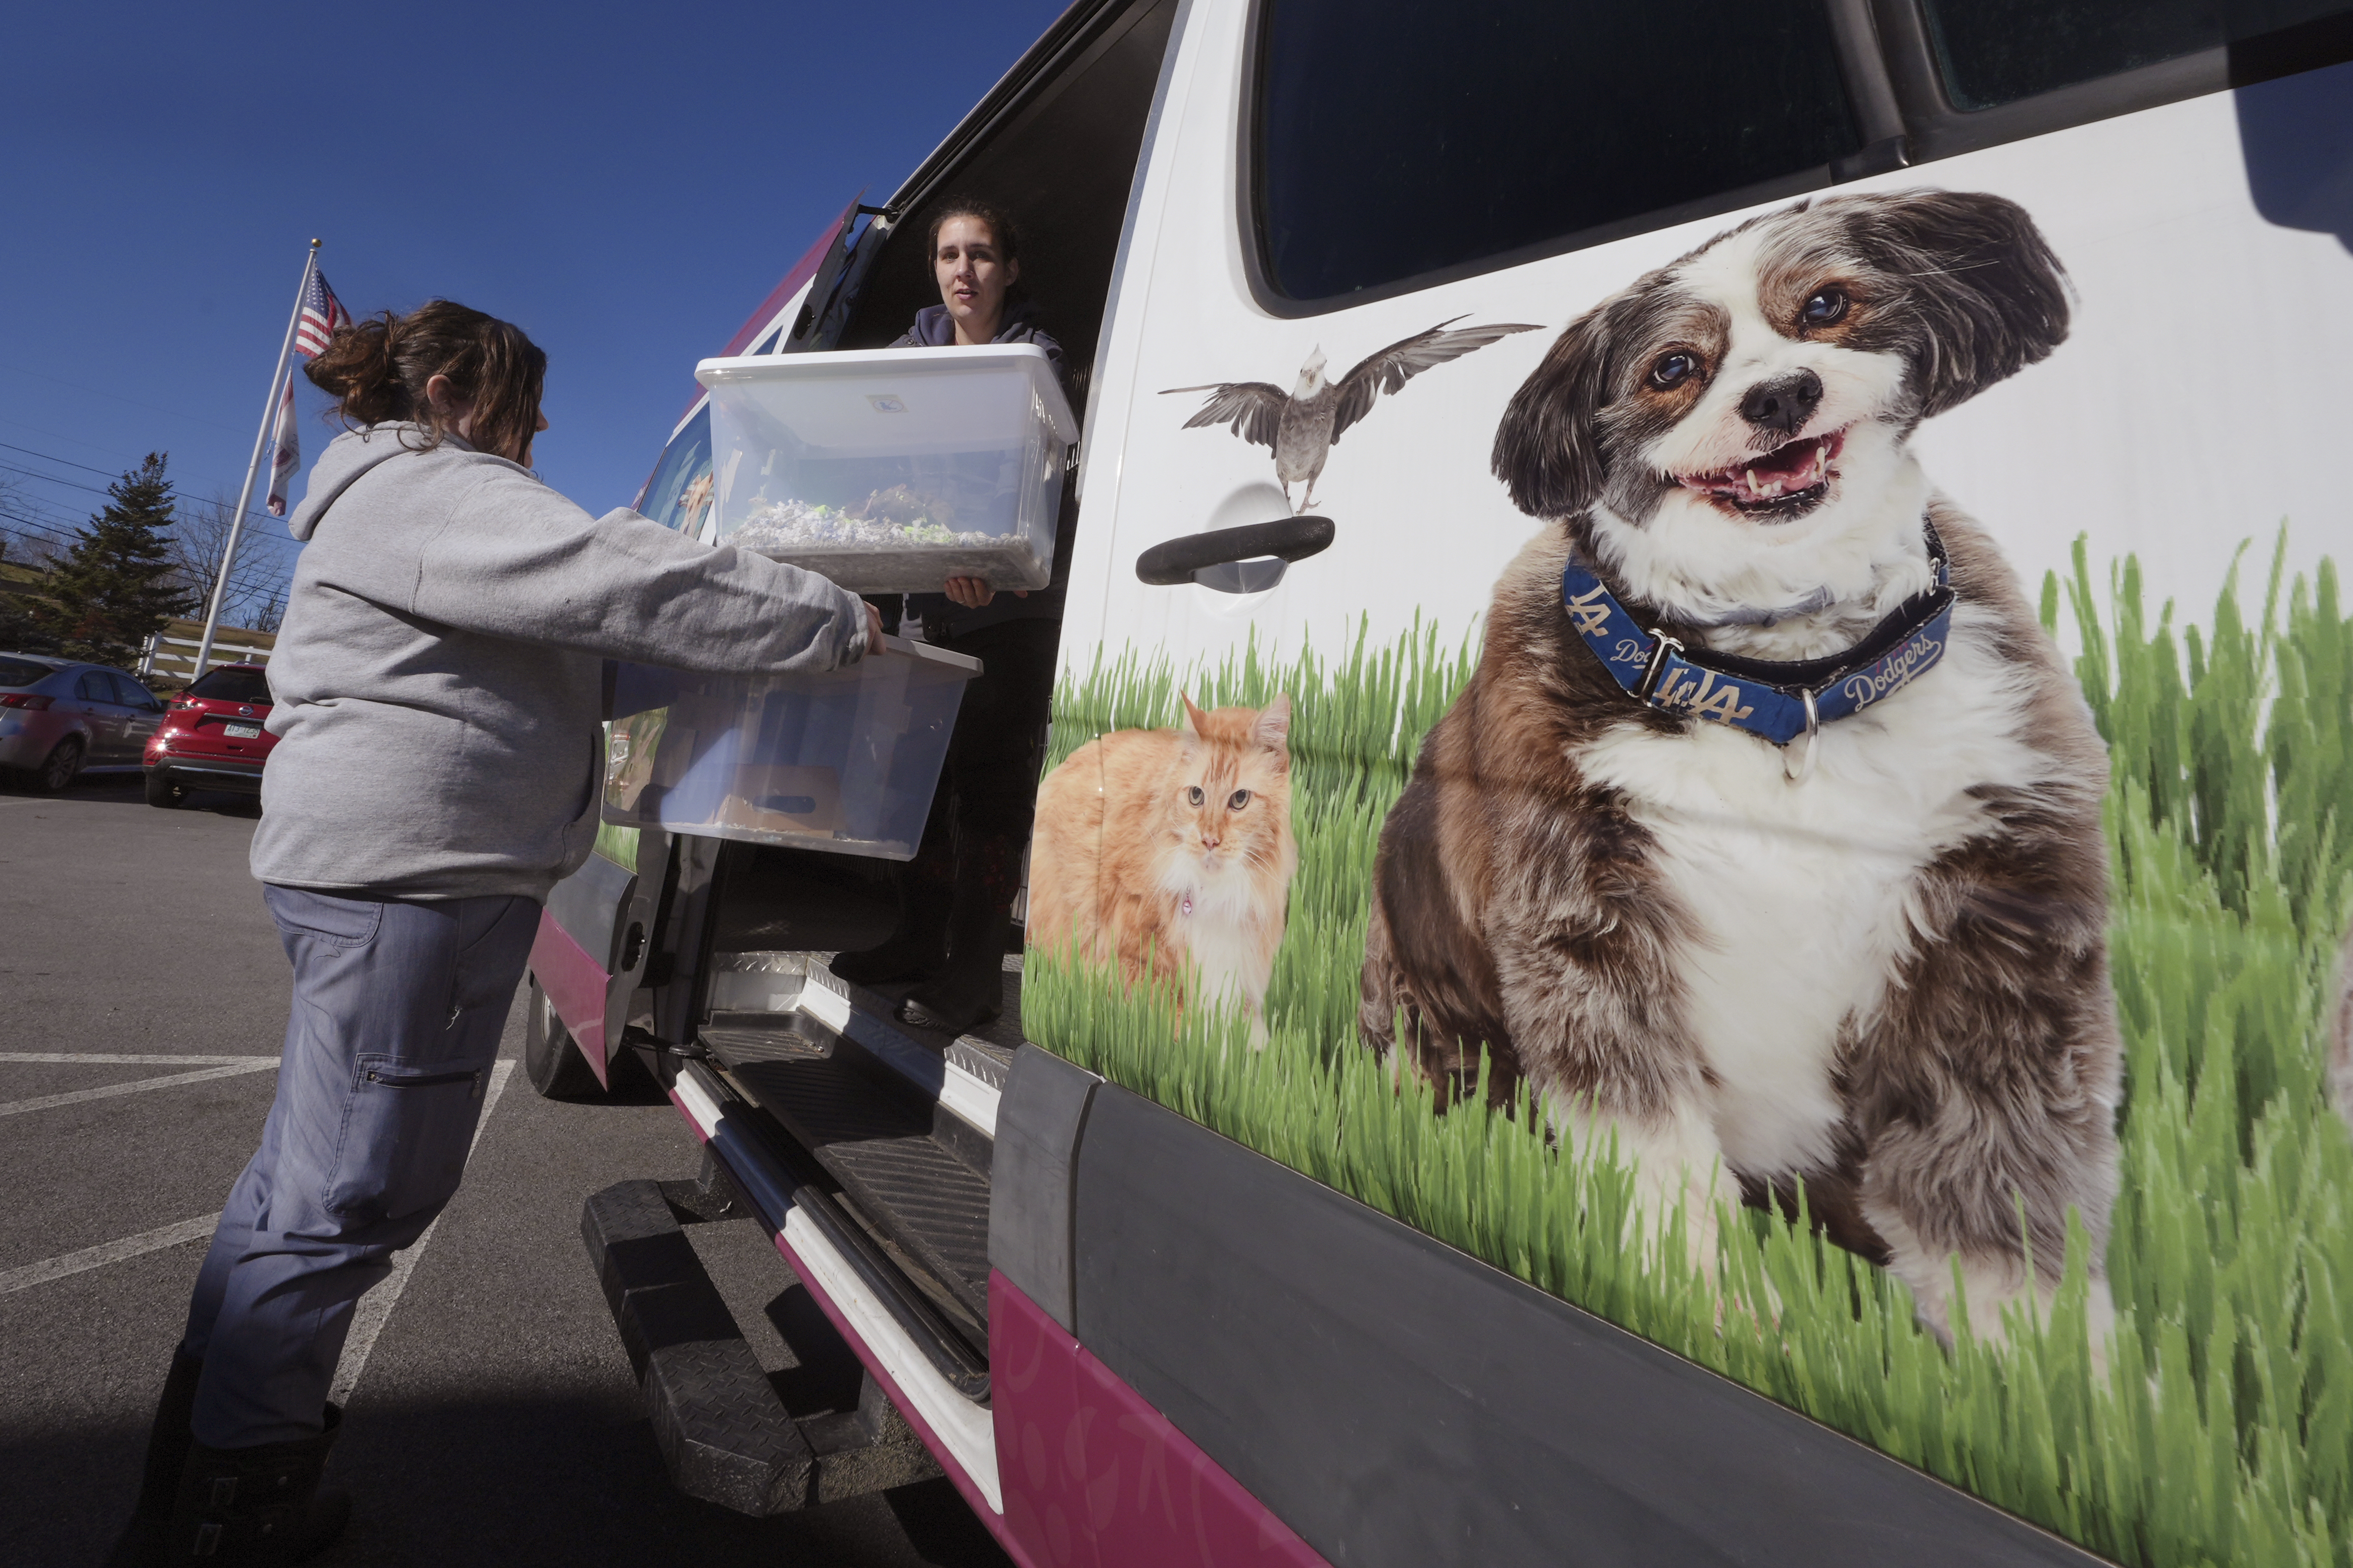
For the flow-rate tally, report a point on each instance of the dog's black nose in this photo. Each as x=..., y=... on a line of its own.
x=1784, y=404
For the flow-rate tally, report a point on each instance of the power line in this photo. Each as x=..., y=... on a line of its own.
x=50, y=457
x=77, y=484
x=177, y=502
x=72, y=463
x=246, y=585
x=52, y=479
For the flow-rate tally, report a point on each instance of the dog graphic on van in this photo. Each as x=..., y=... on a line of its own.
x=1766, y=836
x=1302, y=425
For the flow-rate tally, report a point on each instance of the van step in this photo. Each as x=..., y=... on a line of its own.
x=986, y=1052
x=724, y=1433
x=781, y=1180
x=902, y=1163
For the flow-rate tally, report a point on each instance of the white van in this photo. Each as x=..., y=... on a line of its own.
x=1697, y=1062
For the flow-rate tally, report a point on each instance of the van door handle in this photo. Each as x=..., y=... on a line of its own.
x=1245, y=560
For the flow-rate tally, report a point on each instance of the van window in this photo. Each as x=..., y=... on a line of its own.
x=679, y=494
x=1992, y=52
x=1398, y=138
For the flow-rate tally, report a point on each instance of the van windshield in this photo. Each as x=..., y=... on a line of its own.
x=679, y=494
x=232, y=686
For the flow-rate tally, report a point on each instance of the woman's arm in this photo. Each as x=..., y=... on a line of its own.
x=515, y=558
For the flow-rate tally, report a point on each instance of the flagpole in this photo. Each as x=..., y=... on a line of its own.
x=260, y=441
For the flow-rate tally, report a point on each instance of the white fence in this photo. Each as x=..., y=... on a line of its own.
x=171, y=652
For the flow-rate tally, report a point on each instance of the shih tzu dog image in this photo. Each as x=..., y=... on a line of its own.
x=1766, y=836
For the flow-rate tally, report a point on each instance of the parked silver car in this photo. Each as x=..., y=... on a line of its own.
x=59, y=717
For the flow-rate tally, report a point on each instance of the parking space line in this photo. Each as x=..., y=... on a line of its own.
x=375, y=1308
x=169, y=1080
x=98, y=1257
x=136, y=1059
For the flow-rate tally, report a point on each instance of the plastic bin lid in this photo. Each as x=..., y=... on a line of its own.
x=963, y=661
x=899, y=364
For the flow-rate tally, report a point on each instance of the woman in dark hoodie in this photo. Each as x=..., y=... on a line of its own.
x=956, y=895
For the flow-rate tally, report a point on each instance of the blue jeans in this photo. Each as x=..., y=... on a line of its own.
x=398, y=1012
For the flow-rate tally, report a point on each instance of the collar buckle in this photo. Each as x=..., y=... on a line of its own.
x=1662, y=644
x=1798, y=772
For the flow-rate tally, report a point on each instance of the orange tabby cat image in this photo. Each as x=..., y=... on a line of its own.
x=1169, y=852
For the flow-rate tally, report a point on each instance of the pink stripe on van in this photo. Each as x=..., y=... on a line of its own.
x=1092, y=1475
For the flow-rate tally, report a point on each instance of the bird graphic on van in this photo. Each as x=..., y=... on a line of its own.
x=1301, y=427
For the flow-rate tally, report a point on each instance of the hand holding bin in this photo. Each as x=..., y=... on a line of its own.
x=890, y=470
x=845, y=760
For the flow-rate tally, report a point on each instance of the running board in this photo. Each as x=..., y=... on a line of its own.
x=724, y=1433
x=938, y=1382
x=911, y=1172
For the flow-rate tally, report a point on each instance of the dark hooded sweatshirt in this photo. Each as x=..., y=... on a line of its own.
x=934, y=329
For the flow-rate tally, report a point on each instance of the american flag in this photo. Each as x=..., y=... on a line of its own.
x=321, y=314
x=288, y=452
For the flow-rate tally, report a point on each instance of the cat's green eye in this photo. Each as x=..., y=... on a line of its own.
x=1193, y=795
x=1241, y=799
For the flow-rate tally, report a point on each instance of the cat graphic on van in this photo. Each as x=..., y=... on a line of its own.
x=1766, y=834
x=1169, y=853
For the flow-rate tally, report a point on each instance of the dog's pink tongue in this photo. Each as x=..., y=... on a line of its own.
x=1795, y=466
x=1795, y=458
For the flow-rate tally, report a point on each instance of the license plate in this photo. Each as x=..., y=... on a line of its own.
x=242, y=731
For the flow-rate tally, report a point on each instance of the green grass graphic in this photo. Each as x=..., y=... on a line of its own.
x=2222, y=1432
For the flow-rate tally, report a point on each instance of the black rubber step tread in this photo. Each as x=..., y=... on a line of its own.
x=725, y=1435
x=881, y=1148
x=724, y=1432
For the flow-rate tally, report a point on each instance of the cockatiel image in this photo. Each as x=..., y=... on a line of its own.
x=1302, y=425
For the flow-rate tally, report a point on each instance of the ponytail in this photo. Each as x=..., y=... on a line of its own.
x=377, y=371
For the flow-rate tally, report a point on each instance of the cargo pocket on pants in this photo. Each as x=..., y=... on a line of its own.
x=407, y=1128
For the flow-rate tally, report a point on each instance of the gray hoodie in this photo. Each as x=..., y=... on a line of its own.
x=439, y=679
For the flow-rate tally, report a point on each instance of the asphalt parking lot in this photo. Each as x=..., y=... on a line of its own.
x=492, y=1417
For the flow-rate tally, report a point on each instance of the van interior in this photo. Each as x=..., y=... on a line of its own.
x=1054, y=146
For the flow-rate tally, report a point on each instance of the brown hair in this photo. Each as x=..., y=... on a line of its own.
x=375, y=370
x=1000, y=228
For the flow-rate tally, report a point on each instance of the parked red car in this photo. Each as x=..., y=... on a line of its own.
x=213, y=737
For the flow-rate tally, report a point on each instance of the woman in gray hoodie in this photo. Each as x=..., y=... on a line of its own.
x=438, y=686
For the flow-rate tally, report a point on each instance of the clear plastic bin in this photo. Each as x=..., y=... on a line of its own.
x=844, y=760
x=890, y=470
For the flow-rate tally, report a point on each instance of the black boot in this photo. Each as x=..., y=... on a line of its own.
x=260, y=1506
x=970, y=991
x=142, y=1541
x=906, y=954
x=918, y=948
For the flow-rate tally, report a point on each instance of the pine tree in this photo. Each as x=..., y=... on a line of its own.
x=19, y=631
x=115, y=587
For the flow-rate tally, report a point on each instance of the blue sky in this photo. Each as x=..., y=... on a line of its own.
x=624, y=182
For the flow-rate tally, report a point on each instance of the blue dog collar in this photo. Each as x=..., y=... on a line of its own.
x=1777, y=700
